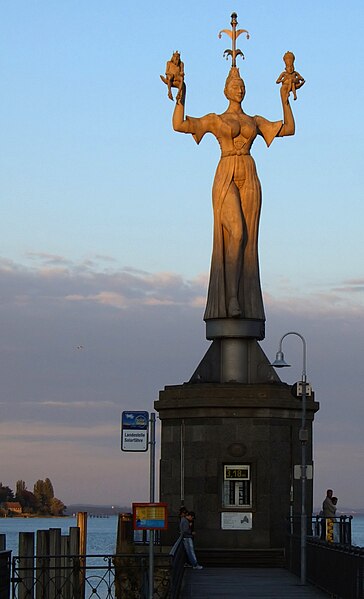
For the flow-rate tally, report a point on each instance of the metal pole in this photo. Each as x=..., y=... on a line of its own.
x=303, y=439
x=182, y=451
x=151, y=499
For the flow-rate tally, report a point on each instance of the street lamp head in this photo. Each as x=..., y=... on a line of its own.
x=280, y=362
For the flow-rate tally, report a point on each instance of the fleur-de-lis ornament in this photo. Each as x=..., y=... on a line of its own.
x=234, y=34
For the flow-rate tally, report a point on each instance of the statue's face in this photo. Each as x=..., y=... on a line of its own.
x=235, y=90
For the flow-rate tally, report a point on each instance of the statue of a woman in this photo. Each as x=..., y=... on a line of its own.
x=234, y=288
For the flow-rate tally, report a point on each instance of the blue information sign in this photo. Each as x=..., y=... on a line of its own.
x=134, y=431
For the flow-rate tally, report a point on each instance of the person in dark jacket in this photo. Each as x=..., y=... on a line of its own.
x=186, y=532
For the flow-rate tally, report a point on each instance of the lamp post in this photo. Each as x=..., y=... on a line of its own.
x=279, y=362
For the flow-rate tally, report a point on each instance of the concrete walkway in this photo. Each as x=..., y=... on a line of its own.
x=246, y=583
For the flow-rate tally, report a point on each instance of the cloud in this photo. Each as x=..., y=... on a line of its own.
x=75, y=405
x=48, y=258
x=53, y=432
x=80, y=282
x=60, y=407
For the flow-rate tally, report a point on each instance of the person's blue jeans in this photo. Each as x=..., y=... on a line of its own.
x=190, y=550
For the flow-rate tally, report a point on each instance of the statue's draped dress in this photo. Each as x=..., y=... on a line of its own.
x=232, y=152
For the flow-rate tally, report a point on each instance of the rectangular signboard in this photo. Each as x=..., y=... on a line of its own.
x=150, y=516
x=236, y=520
x=297, y=471
x=236, y=472
x=134, y=431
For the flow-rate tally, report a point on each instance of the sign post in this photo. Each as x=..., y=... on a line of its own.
x=134, y=437
x=150, y=516
x=152, y=499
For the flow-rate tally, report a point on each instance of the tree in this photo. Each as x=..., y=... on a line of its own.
x=57, y=507
x=48, y=490
x=47, y=503
x=42, y=501
x=41, y=497
x=20, y=487
x=6, y=494
x=26, y=499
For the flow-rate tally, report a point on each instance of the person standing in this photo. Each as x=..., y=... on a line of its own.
x=186, y=532
x=328, y=513
x=328, y=506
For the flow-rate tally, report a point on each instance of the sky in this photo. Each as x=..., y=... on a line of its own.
x=106, y=226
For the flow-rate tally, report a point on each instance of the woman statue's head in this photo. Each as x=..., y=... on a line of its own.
x=234, y=86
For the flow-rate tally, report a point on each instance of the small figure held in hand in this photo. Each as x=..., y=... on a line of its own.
x=174, y=75
x=291, y=80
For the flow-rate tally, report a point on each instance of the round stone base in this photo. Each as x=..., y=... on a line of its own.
x=218, y=328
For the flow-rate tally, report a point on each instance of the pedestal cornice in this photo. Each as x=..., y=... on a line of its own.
x=231, y=401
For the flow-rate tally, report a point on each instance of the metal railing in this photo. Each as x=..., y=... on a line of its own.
x=337, y=569
x=179, y=558
x=333, y=564
x=121, y=576
x=5, y=565
x=333, y=530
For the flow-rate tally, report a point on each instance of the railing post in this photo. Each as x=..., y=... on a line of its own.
x=66, y=569
x=5, y=566
x=74, y=556
x=42, y=565
x=348, y=532
x=342, y=530
x=126, y=575
x=26, y=565
x=82, y=524
x=54, y=562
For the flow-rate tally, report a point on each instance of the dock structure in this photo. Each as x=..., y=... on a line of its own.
x=246, y=583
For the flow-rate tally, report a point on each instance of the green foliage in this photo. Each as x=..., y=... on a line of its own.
x=28, y=501
x=20, y=487
x=6, y=494
x=42, y=501
x=57, y=507
x=48, y=488
x=43, y=491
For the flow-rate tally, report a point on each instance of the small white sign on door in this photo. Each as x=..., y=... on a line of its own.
x=236, y=520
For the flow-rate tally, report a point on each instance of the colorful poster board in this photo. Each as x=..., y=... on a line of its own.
x=150, y=516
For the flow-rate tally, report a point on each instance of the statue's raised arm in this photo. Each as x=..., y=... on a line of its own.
x=234, y=286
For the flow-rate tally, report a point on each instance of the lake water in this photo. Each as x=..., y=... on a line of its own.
x=101, y=532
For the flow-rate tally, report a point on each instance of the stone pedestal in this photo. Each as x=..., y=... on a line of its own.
x=207, y=426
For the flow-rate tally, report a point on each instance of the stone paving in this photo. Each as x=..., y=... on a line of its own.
x=246, y=583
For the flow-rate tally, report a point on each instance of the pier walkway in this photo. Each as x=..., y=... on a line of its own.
x=246, y=583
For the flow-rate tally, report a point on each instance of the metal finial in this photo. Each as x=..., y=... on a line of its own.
x=233, y=34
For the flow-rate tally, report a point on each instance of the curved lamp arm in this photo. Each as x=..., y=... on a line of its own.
x=279, y=362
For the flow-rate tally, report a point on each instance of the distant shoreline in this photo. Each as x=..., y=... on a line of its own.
x=103, y=511
x=30, y=516
x=343, y=512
